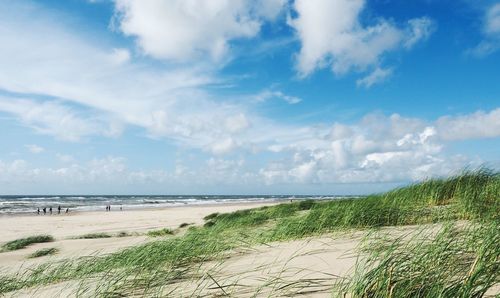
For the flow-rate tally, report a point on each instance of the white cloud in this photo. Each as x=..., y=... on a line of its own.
x=419, y=29
x=379, y=149
x=90, y=89
x=491, y=32
x=332, y=35
x=120, y=56
x=73, y=88
x=377, y=76
x=33, y=148
x=492, y=25
x=478, y=125
x=271, y=94
x=97, y=171
x=57, y=120
x=180, y=30
x=223, y=146
x=237, y=123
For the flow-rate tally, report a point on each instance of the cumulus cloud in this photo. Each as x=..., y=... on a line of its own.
x=332, y=35
x=74, y=88
x=180, y=30
x=97, y=171
x=379, y=148
x=477, y=125
x=98, y=174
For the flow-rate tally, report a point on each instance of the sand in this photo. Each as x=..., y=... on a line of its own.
x=302, y=261
x=301, y=268
x=65, y=227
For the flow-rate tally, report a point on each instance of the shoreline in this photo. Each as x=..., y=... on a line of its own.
x=63, y=226
x=67, y=229
x=115, y=208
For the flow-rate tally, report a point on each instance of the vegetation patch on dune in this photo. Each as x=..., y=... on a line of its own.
x=160, y=232
x=150, y=268
x=43, y=252
x=24, y=242
x=94, y=236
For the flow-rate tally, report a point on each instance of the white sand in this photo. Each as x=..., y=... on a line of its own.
x=305, y=268
x=66, y=226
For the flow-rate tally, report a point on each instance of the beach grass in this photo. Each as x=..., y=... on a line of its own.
x=184, y=224
x=455, y=261
x=95, y=236
x=43, y=252
x=24, y=242
x=160, y=233
x=471, y=197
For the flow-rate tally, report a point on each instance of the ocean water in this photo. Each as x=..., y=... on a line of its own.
x=29, y=204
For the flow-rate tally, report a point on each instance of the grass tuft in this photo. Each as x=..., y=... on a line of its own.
x=94, y=236
x=24, y=242
x=211, y=216
x=160, y=232
x=43, y=252
x=184, y=224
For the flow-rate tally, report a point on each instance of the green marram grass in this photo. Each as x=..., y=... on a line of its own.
x=160, y=233
x=24, y=242
x=94, y=236
x=154, y=268
x=43, y=252
x=457, y=262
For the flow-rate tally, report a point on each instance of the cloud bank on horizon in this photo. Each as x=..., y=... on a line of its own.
x=240, y=96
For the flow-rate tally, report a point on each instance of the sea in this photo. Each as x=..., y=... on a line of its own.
x=12, y=204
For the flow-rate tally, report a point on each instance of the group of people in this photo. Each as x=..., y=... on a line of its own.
x=44, y=210
x=108, y=208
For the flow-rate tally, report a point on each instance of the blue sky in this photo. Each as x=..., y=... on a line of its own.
x=245, y=97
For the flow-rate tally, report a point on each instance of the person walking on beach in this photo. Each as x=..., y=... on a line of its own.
x=67, y=210
x=44, y=210
x=38, y=210
x=59, y=209
x=50, y=210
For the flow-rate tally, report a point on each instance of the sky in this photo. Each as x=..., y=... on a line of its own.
x=245, y=96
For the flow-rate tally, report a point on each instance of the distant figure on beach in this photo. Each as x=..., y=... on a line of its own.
x=59, y=209
x=50, y=210
x=67, y=210
x=121, y=209
x=109, y=207
x=44, y=210
x=38, y=210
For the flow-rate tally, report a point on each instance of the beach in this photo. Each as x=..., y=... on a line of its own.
x=66, y=228
x=317, y=258
x=307, y=248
